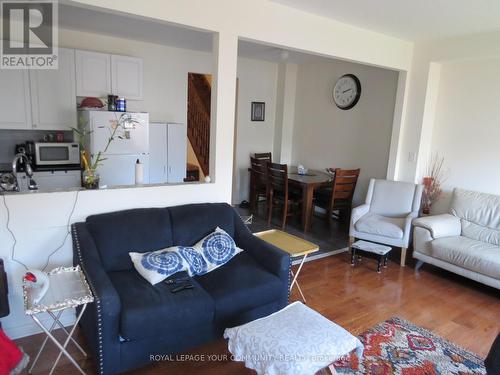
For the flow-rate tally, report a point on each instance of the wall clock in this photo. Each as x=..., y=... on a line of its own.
x=346, y=91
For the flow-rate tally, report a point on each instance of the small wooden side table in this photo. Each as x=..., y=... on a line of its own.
x=293, y=245
x=382, y=252
x=68, y=289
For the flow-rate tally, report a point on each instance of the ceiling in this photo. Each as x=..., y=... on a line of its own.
x=413, y=20
x=133, y=27
x=260, y=51
x=153, y=31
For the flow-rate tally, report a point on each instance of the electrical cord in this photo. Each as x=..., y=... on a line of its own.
x=14, y=239
x=68, y=231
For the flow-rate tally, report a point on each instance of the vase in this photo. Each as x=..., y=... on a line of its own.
x=90, y=179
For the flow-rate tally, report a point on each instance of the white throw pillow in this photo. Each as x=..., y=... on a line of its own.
x=206, y=255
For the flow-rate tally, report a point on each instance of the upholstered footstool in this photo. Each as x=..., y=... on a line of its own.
x=380, y=251
x=294, y=341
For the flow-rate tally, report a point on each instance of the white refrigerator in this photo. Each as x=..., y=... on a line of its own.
x=131, y=143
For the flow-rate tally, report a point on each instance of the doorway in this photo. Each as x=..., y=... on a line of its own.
x=198, y=125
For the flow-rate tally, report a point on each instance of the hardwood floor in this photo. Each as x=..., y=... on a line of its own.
x=462, y=311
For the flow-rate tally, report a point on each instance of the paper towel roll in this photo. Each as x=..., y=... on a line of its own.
x=139, y=173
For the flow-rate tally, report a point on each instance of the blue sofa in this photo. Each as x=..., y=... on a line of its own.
x=131, y=319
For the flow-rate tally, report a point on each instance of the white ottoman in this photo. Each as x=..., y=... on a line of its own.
x=293, y=341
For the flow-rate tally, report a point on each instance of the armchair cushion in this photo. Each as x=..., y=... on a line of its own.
x=240, y=285
x=393, y=198
x=381, y=225
x=440, y=225
x=152, y=310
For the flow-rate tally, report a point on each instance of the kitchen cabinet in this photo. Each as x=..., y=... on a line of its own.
x=15, y=104
x=126, y=77
x=53, y=95
x=48, y=180
x=167, y=152
x=93, y=73
x=39, y=99
x=100, y=74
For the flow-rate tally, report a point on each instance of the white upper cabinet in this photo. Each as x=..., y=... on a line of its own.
x=93, y=74
x=101, y=74
x=15, y=107
x=53, y=96
x=126, y=77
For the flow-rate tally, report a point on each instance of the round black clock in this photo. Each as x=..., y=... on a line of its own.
x=346, y=91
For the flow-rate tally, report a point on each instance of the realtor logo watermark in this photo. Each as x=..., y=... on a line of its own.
x=29, y=34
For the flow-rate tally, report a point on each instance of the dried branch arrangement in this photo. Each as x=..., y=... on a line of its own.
x=433, y=181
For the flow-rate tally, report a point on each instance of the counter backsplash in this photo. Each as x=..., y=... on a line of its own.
x=9, y=139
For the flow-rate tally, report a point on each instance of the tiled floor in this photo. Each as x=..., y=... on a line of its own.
x=328, y=238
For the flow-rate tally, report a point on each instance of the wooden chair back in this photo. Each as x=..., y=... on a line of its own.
x=343, y=185
x=263, y=156
x=259, y=170
x=277, y=177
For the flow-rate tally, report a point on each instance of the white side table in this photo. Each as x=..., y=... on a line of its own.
x=68, y=289
x=382, y=251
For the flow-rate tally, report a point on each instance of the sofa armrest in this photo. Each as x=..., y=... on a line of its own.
x=270, y=257
x=444, y=225
x=101, y=320
x=358, y=212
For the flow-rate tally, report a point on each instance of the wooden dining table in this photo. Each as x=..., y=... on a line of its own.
x=309, y=182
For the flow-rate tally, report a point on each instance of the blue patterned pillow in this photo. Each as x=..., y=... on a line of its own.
x=217, y=249
x=208, y=254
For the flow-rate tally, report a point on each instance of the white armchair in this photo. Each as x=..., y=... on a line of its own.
x=387, y=214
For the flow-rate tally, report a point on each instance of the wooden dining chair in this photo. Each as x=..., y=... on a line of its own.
x=280, y=194
x=263, y=156
x=338, y=197
x=258, y=181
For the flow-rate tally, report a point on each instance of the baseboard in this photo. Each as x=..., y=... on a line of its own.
x=31, y=328
x=320, y=255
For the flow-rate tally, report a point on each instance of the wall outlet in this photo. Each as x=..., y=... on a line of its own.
x=412, y=156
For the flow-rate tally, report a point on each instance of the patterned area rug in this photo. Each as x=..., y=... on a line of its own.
x=396, y=346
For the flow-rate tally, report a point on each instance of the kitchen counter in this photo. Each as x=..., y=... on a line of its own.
x=5, y=167
x=74, y=189
x=52, y=168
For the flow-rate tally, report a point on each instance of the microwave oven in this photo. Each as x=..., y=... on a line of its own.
x=57, y=153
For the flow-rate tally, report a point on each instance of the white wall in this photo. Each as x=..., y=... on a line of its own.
x=285, y=112
x=39, y=220
x=326, y=136
x=256, y=83
x=419, y=122
x=467, y=127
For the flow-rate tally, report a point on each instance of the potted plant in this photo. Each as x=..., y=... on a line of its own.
x=432, y=182
x=91, y=163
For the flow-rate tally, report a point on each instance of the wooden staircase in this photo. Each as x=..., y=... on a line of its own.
x=198, y=121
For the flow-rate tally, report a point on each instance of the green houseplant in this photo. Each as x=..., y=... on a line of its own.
x=91, y=162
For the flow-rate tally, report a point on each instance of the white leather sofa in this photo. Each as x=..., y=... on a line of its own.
x=466, y=241
x=387, y=214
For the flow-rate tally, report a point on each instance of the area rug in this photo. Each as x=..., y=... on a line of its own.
x=397, y=346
